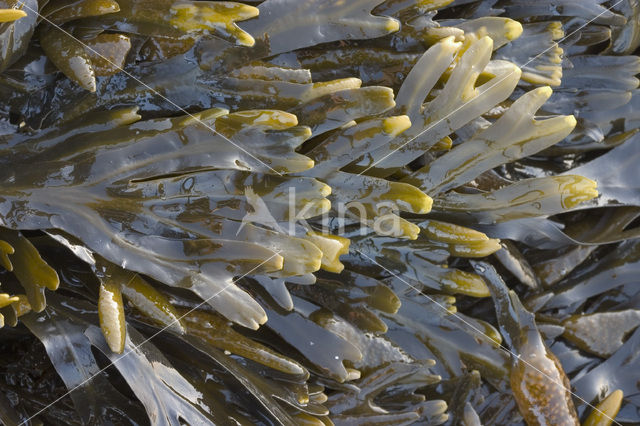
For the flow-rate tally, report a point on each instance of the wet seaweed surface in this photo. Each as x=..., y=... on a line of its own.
x=317, y=212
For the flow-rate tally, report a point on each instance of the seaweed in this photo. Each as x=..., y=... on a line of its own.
x=16, y=30
x=319, y=212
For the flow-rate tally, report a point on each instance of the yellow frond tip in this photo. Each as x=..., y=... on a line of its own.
x=409, y=230
x=10, y=15
x=6, y=299
x=352, y=374
x=556, y=30
x=444, y=144
x=606, y=411
x=576, y=190
x=111, y=316
x=325, y=190
x=424, y=204
x=278, y=262
x=512, y=29
x=244, y=38
x=332, y=247
x=466, y=283
x=395, y=125
x=392, y=25
x=324, y=205
x=326, y=87
x=544, y=92
x=262, y=320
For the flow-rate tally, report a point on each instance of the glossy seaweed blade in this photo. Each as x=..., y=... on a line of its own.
x=164, y=237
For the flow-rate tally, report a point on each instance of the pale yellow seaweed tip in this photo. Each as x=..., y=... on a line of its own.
x=606, y=411
x=319, y=206
x=591, y=193
x=512, y=29
x=316, y=264
x=446, y=232
x=516, y=71
x=127, y=115
x=303, y=398
x=286, y=118
x=245, y=39
x=348, y=124
x=611, y=404
x=248, y=12
x=353, y=374
x=444, y=144
x=616, y=396
x=89, y=85
x=263, y=320
x=395, y=125
x=306, y=132
x=557, y=59
x=307, y=164
x=111, y=317
x=325, y=190
x=493, y=244
x=331, y=252
x=274, y=263
x=411, y=231
x=450, y=42
x=485, y=42
x=468, y=284
x=6, y=300
x=544, y=92
x=335, y=267
x=113, y=7
x=571, y=121
x=277, y=119
x=538, y=79
x=296, y=369
x=583, y=189
x=324, y=205
x=388, y=96
x=203, y=116
x=392, y=25
x=327, y=87
x=10, y=15
x=255, y=322
x=556, y=30
x=425, y=204
x=338, y=84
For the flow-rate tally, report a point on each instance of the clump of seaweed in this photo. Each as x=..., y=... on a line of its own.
x=274, y=212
